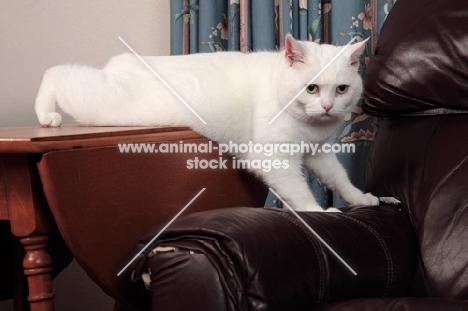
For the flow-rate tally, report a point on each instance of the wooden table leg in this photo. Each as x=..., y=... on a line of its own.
x=37, y=266
x=27, y=210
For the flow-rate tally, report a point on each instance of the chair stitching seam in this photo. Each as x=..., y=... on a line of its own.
x=321, y=292
x=390, y=271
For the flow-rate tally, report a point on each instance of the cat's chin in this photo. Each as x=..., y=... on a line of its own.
x=323, y=118
x=323, y=115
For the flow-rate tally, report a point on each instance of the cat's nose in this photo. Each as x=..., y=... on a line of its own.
x=327, y=106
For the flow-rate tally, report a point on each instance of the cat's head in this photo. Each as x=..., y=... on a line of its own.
x=337, y=86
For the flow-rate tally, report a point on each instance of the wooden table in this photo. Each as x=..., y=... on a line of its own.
x=22, y=201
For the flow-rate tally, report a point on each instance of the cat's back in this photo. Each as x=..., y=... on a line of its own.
x=201, y=62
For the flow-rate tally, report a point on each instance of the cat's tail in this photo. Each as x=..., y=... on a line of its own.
x=46, y=100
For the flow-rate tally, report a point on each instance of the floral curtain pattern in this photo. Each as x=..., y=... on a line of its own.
x=251, y=25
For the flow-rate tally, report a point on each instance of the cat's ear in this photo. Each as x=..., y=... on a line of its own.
x=354, y=52
x=294, y=52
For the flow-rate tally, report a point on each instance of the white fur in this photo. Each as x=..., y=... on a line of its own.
x=236, y=94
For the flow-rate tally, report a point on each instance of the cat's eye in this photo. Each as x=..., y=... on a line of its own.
x=341, y=89
x=312, y=88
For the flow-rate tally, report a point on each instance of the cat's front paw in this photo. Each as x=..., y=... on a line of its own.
x=370, y=199
x=366, y=199
x=318, y=208
x=333, y=210
x=50, y=119
x=309, y=208
x=390, y=200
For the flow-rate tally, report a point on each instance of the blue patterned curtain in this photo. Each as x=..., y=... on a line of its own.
x=250, y=25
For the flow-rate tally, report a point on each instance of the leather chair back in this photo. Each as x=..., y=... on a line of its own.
x=418, y=79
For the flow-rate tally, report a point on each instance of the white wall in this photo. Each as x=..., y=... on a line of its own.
x=35, y=35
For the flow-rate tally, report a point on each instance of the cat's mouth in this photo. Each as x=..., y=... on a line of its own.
x=319, y=113
x=322, y=116
x=314, y=111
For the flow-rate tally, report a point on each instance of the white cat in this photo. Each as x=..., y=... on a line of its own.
x=237, y=95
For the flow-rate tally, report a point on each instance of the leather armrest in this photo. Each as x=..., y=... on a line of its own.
x=266, y=259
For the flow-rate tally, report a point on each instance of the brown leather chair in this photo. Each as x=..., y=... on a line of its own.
x=414, y=257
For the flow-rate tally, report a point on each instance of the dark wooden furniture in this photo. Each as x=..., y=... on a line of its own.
x=102, y=200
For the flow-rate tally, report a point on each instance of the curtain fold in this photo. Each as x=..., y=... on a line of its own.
x=199, y=26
